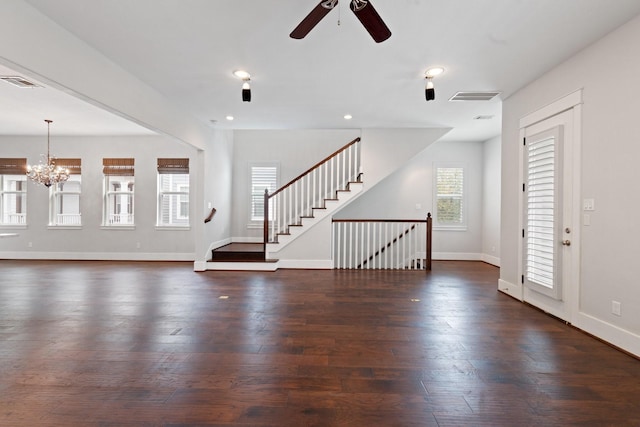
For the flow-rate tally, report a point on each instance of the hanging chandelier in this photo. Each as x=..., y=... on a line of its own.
x=47, y=173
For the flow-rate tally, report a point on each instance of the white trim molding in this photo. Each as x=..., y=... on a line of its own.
x=100, y=256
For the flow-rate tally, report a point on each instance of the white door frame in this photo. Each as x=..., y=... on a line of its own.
x=573, y=102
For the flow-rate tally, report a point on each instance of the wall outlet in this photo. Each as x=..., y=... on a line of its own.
x=418, y=206
x=616, y=308
x=588, y=205
x=30, y=244
x=138, y=245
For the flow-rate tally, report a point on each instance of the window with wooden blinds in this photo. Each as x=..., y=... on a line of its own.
x=120, y=166
x=74, y=166
x=173, y=166
x=13, y=166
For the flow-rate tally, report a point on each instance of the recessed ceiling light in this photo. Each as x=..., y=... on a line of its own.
x=242, y=74
x=229, y=118
x=348, y=117
x=435, y=71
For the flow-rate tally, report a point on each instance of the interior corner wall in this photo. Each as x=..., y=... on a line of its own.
x=408, y=194
x=294, y=150
x=609, y=175
x=491, y=201
x=216, y=181
x=91, y=240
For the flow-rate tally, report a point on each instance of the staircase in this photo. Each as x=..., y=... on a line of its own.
x=295, y=208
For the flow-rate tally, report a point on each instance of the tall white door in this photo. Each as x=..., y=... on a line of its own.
x=548, y=229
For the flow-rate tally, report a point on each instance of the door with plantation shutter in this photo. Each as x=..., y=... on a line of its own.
x=547, y=214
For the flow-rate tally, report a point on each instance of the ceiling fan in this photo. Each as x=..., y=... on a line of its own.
x=363, y=9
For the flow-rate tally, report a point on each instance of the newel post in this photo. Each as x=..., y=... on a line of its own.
x=266, y=219
x=429, y=229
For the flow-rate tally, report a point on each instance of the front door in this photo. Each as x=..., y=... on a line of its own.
x=547, y=215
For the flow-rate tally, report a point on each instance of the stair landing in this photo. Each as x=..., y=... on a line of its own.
x=241, y=256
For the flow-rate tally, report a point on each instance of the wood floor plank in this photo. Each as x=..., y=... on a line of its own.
x=155, y=344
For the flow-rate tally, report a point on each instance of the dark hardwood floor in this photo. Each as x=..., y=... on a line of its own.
x=156, y=344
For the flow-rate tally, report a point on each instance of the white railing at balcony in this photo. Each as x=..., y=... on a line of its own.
x=68, y=219
x=289, y=204
x=382, y=244
x=14, y=219
x=121, y=219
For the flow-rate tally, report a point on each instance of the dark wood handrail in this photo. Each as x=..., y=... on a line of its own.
x=320, y=163
x=380, y=220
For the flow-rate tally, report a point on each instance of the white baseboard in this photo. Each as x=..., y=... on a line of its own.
x=99, y=256
x=456, y=256
x=241, y=266
x=513, y=290
x=306, y=264
x=489, y=259
x=465, y=256
x=621, y=338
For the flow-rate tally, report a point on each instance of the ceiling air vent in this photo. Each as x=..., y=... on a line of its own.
x=474, y=96
x=19, y=81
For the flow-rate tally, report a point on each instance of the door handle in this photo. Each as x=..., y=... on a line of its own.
x=566, y=243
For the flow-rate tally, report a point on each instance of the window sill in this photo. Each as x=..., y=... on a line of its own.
x=173, y=227
x=118, y=227
x=64, y=227
x=450, y=227
x=13, y=227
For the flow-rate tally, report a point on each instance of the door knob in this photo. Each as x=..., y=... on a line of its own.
x=566, y=243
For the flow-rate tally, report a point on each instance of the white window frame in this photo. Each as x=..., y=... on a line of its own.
x=182, y=194
x=55, y=197
x=108, y=208
x=254, y=219
x=20, y=216
x=437, y=223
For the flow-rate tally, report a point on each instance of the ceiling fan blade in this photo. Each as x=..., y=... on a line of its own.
x=369, y=17
x=312, y=19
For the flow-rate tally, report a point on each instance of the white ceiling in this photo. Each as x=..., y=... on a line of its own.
x=187, y=50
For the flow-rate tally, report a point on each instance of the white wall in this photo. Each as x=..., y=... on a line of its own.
x=399, y=195
x=608, y=71
x=491, y=201
x=294, y=150
x=92, y=241
x=216, y=180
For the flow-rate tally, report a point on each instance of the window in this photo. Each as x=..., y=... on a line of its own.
x=13, y=191
x=118, y=192
x=65, y=196
x=450, y=197
x=173, y=192
x=262, y=177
